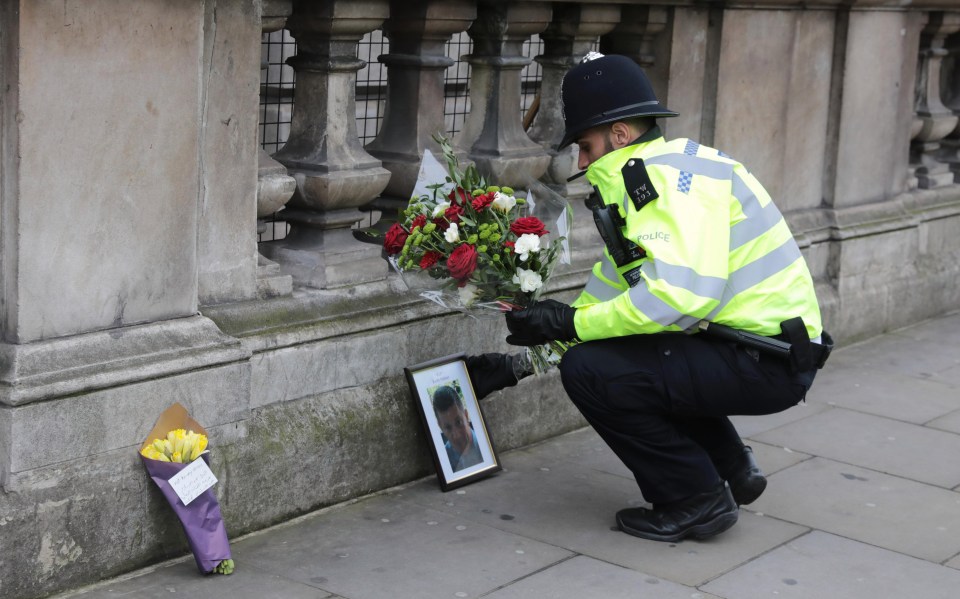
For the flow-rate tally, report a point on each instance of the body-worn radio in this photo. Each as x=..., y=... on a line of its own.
x=610, y=222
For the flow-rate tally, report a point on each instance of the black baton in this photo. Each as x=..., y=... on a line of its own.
x=752, y=340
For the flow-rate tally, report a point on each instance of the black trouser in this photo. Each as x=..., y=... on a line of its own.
x=661, y=403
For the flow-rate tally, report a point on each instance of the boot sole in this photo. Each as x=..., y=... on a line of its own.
x=706, y=530
x=748, y=492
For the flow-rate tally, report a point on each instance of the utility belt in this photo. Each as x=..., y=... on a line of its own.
x=792, y=344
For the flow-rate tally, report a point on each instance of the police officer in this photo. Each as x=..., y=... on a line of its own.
x=694, y=244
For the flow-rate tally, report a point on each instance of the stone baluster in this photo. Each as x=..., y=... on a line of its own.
x=937, y=121
x=570, y=35
x=493, y=136
x=418, y=31
x=950, y=79
x=334, y=174
x=274, y=185
x=636, y=36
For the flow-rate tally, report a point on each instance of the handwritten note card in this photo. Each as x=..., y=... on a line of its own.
x=193, y=480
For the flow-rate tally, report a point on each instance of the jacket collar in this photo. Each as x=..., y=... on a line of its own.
x=651, y=134
x=606, y=169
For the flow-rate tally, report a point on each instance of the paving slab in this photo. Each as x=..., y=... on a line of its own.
x=825, y=565
x=954, y=563
x=774, y=459
x=940, y=332
x=583, y=447
x=181, y=579
x=887, y=511
x=542, y=497
x=922, y=351
x=908, y=450
x=581, y=577
x=380, y=548
x=949, y=422
x=893, y=395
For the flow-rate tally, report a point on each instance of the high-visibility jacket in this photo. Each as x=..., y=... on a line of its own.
x=717, y=248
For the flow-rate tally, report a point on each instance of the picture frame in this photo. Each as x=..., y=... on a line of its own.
x=461, y=446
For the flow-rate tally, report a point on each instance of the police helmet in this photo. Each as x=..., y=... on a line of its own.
x=603, y=89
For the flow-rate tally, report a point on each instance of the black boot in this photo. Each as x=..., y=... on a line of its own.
x=698, y=517
x=745, y=478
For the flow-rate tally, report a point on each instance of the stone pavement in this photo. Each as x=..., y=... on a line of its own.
x=863, y=502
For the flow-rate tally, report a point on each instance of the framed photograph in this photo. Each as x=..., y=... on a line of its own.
x=462, y=448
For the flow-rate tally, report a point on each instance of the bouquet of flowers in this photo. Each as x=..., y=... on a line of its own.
x=477, y=247
x=176, y=458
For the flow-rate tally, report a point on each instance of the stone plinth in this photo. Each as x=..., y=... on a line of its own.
x=772, y=99
x=227, y=256
x=880, y=75
x=100, y=207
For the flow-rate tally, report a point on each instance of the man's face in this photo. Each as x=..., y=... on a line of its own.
x=456, y=426
x=593, y=143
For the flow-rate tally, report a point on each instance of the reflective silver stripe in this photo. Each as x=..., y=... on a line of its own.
x=694, y=164
x=600, y=289
x=608, y=269
x=758, y=271
x=760, y=219
x=685, y=277
x=658, y=310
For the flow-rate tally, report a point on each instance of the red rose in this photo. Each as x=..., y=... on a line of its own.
x=482, y=201
x=528, y=224
x=394, y=239
x=441, y=223
x=418, y=221
x=462, y=261
x=510, y=244
x=453, y=213
x=429, y=259
x=452, y=196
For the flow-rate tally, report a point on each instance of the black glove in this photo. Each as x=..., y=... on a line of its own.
x=540, y=322
x=492, y=372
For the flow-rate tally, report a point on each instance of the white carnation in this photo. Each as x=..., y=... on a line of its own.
x=452, y=234
x=526, y=244
x=503, y=202
x=529, y=280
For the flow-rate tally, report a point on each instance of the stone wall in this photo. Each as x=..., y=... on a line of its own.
x=140, y=284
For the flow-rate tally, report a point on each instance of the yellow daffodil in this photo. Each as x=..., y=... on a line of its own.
x=186, y=449
x=179, y=445
x=150, y=452
x=199, y=447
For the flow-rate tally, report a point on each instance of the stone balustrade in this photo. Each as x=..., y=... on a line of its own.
x=132, y=183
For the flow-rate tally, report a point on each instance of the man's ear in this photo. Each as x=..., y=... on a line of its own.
x=621, y=134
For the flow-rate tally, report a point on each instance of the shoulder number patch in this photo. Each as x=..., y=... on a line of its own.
x=638, y=184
